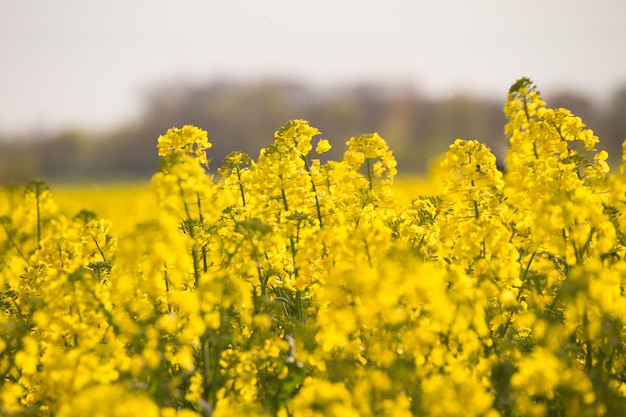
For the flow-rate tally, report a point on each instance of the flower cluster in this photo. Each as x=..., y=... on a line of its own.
x=189, y=139
x=288, y=286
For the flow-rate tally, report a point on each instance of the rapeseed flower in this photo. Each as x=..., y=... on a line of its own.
x=293, y=286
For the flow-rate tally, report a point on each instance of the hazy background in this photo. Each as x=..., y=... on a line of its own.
x=86, y=87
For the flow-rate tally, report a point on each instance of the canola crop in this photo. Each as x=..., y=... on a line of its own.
x=285, y=286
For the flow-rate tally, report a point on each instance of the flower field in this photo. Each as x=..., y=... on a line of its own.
x=288, y=286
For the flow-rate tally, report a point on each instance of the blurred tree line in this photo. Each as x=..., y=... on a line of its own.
x=244, y=116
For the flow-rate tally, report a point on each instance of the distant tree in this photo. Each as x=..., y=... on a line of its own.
x=17, y=163
x=613, y=127
x=65, y=156
x=244, y=116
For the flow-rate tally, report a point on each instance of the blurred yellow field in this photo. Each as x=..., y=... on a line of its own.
x=127, y=204
x=124, y=204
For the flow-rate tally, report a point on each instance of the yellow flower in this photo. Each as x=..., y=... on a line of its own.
x=189, y=139
x=322, y=146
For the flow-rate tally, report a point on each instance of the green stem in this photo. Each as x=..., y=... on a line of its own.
x=589, y=354
x=100, y=305
x=194, y=249
x=182, y=196
x=476, y=214
x=317, y=201
x=519, y=294
x=216, y=345
x=369, y=173
x=585, y=247
x=299, y=294
x=300, y=306
x=205, y=265
x=530, y=261
x=167, y=284
x=37, y=187
x=262, y=281
x=292, y=245
x=243, y=196
x=196, y=265
x=367, y=252
x=284, y=198
x=14, y=302
x=525, y=102
x=104, y=258
x=588, y=360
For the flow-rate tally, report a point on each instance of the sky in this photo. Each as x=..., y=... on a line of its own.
x=90, y=64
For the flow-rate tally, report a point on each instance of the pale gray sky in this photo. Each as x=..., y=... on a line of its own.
x=88, y=63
